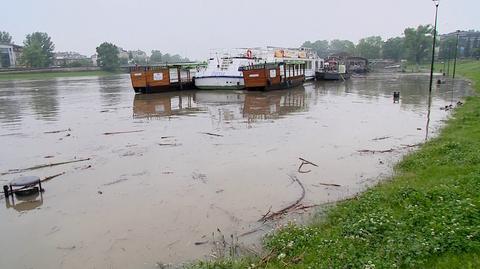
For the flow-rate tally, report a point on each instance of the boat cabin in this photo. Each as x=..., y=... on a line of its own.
x=272, y=76
x=148, y=79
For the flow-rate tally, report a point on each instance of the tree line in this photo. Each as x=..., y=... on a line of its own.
x=415, y=45
x=38, y=51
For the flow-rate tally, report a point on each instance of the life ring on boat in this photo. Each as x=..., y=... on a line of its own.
x=249, y=54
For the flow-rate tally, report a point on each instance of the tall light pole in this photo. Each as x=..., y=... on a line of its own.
x=456, y=50
x=436, y=2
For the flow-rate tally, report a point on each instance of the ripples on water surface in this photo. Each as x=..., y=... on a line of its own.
x=148, y=196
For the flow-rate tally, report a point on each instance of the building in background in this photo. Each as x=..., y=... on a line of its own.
x=10, y=55
x=94, y=59
x=123, y=56
x=138, y=57
x=70, y=58
x=468, y=44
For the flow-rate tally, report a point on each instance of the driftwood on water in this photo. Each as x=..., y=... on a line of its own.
x=302, y=164
x=52, y=177
x=329, y=184
x=123, y=132
x=212, y=134
x=272, y=215
x=15, y=171
x=58, y=131
x=388, y=150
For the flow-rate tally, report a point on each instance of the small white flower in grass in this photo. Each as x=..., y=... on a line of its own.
x=290, y=244
x=370, y=265
x=281, y=256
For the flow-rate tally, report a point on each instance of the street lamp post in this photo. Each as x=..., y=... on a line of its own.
x=456, y=50
x=434, y=41
x=448, y=66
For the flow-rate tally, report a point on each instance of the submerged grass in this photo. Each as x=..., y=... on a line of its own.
x=48, y=75
x=426, y=216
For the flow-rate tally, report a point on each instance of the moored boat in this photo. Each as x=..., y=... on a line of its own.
x=149, y=79
x=334, y=69
x=221, y=72
x=273, y=76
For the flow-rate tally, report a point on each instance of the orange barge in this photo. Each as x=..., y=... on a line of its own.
x=273, y=76
x=149, y=79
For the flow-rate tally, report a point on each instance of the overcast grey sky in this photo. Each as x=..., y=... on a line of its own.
x=192, y=27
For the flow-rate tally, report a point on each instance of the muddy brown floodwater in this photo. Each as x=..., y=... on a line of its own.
x=199, y=162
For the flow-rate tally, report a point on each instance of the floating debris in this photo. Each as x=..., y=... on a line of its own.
x=123, y=132
x=212, y=134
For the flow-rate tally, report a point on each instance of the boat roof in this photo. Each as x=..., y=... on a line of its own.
x=185, y=65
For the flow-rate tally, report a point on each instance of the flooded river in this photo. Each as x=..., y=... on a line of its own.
x=198, y=162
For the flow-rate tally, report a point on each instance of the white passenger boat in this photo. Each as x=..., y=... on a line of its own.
x=222, y=71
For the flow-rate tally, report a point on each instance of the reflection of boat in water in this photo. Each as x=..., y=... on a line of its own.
x=165, y=104
x=271, y=105
x=274, y=76
x=219, y=97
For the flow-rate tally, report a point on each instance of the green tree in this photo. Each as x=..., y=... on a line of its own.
x=5, y=38
x=156, y=56
x=107, y=56
x=370, y=47
x=341, y=46
x=320, y=46
x=38, y=50
x=394, y=48
x=418, y=43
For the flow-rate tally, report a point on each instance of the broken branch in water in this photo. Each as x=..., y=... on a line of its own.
x=308, y=162
x=272, y=215
x=58, y=131
x=381, y=138
x=303, y=207
x=169, y=144
x=302, y=164
x=52, y=177
x=388, y=150
x=375, y=151
x=212, y=134
x=124, y=132
x=411, y=146
x=328, y=184
x=15, y=171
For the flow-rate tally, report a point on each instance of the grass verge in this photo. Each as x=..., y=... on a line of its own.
x=48, y=75
x=427, y=216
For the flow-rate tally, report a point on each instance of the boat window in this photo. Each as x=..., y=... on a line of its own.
x=273, y=73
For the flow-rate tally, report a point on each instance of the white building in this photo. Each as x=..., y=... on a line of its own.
x=9, y=55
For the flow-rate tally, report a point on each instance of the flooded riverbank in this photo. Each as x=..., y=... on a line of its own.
x=199, y=161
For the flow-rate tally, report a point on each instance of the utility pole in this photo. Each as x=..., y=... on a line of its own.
x=433, y=47
x=456, y=50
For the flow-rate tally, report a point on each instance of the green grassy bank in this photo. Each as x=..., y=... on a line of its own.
x=49, y=75
x=426, y=216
